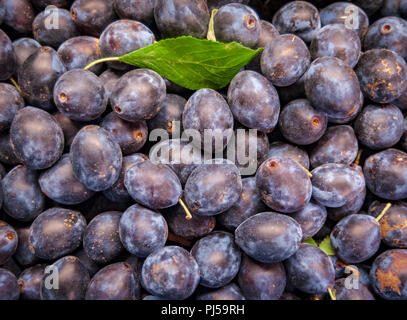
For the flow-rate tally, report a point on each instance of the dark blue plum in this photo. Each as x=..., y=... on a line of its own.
x=171, y=273
x=356, y=238
x=29, y=282
x=10, y=103
x=311, y=219
x=261, y=281
x=117, y=281
x=24, y=47
x=142, y=11
x=344, y=293
x=269, y=237
x=218, y=258
x=56, y=232
x=96, y=158
x=21, y=23
x=142, y=231
x=285, y=150
x=310, y=270
x=24, y=255
x=8, y=59
x=9, y=289
x=229, y=292
x=8, y=241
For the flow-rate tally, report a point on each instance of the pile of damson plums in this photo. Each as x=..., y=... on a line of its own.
x=87, y=214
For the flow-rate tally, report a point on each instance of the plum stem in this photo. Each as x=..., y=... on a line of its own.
x=211, y=31
x=90, y=65
x=357, y=161
x=180, y=240
x=386, y=208
x=332, y=294
x=14, y=82
x=188, y=214
x=307, y=171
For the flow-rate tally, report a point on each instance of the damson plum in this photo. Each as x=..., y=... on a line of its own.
x=269, y=237
x=122, y=37
x=208, y=112
x=194, y=228
x=131, y=136
x=176, y=18
x=155, y=186
x=9, y=289
x=7, y=57
x=249, y=150
x=109, y=79
x=218, y=258
x=80, y=95
x=261, y=281
x=386, y=174
x=379, y=127
x=24, y=47
x=298, y=17
x=69, y=127
x=56, y=232
x=285, y=59
x=23, y=255
x=248, y=205
x=343, y=12
x=338, y=41
x=78, y=52
x=213, y=188
x=310, y=270
x=138, y=95
x=8, y=241
x=356, y=238
x=283, y=184
x=333, y=87
x=19, y=15
x=117, y=281
x=285, y=150
x=336, y=214
x=334, y=185
x=10, y=103
x=142, y=11
x=73, y=280
x=229, y=292
x=142, y=231
x=254, y=101
x=36, y=138
x=393, y=225
x=101, y=240
x=38, y=75
x=89, y=264
x=92, y=16
x=382, y=74
x=388, y=33
x=388, y=275
x=237, y=22
x=23, y=199
x=62, y=27
x=311, y=219
x=171, y=273
x=301, y=124
x=29, y=282
x=118, y=192
x=344, y=293
x=171, y=110
x=96, y=158
x=338, y=145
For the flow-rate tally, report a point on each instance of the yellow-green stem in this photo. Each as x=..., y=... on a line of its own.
x=386, y=208
x=211, y=29
x=357, y=161
x=14, y=82
x=188, y=214
x=332, y=294
x=90, y=65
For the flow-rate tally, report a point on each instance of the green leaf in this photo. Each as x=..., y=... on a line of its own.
x=193, y=63
x=326, y=246
x=310, y=241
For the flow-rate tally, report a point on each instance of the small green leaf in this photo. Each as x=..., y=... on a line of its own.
x=310, y=241
x=326, y=246
x=193, y=63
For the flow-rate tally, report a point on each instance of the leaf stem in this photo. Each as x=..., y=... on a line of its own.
x=386, y=208
x=332, y=294
x=90, y=65
x=188, y=214
x=14, y=82
x=357, y=161
x=211, y=29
